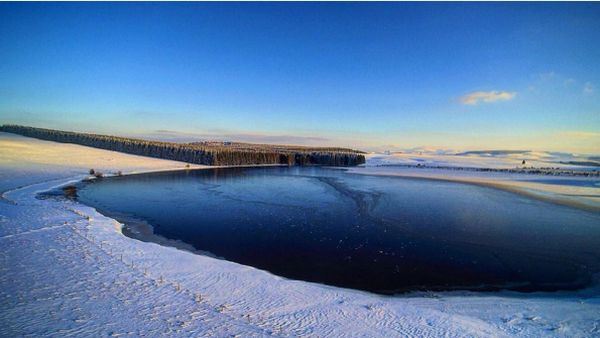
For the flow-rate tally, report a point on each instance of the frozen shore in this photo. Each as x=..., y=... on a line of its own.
x=579, y=192
x=68, y=270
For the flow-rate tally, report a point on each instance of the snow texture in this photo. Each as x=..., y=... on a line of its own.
x=505, y=159
x=580, y=192
x=66, y=270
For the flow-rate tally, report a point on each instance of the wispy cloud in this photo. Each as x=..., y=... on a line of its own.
x=552, y=79
x=588, y=88
x=475, y=98
x=547, y=76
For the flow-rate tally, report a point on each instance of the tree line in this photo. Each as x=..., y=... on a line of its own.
x=207, y=153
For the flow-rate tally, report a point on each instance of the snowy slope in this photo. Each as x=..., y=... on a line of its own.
x=67, y=270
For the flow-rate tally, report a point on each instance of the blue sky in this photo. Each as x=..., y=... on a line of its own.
x=367, y=75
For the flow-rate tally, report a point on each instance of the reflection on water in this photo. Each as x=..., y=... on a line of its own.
x=380, y=234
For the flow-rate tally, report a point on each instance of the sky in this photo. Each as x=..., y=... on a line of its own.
x=373, y=76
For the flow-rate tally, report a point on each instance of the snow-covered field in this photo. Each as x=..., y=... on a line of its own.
x=505, y=159
x=580, y=192
x=67, y=270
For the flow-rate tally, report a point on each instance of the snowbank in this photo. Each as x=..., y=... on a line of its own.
x=500, y=159
x=67, y=270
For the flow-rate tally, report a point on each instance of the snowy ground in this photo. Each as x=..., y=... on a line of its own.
x=580, y=192
x=504, y=159
x=67, y=270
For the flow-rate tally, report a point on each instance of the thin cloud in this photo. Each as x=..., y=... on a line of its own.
x=475, y=98
x=547, y=76
x=588, y=88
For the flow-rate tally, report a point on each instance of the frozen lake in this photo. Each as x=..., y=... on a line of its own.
x=374, y=233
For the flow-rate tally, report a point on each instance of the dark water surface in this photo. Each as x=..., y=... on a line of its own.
x=381, y=234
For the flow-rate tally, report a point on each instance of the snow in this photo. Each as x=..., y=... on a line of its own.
x=481, y=159
x=66, y=270
x=584, y=196
x=25, y=160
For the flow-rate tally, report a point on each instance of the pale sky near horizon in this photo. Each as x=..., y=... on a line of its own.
x=364, y=75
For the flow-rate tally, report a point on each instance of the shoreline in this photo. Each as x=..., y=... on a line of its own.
x=141, y=230
x=508, y=185
x=543, y=171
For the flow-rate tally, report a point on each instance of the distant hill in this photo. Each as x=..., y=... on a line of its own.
x=208, y=153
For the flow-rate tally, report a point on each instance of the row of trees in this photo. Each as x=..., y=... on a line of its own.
x=208, y=153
